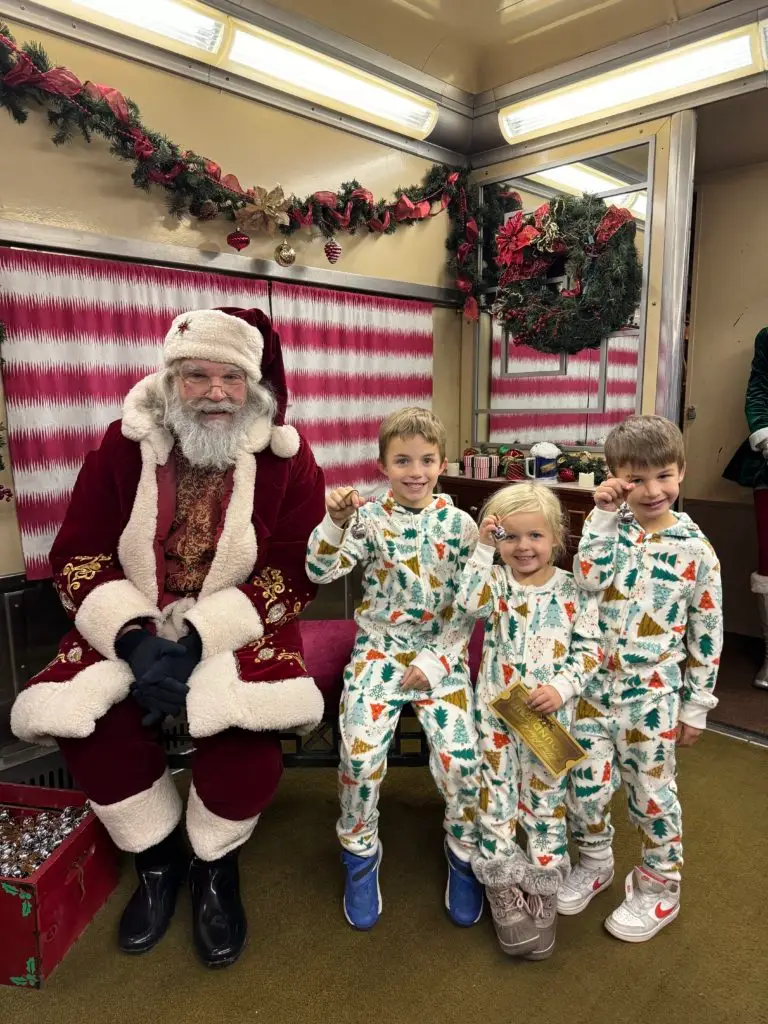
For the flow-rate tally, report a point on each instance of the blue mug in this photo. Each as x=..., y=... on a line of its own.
x=542, y=468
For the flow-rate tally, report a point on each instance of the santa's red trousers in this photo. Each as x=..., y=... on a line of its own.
x=234, y=777
x=761, y=521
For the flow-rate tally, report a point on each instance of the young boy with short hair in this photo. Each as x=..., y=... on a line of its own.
x=659, y=580
x=410, y=648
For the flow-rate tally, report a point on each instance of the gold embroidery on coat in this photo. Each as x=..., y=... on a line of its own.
x=271, y=584
x=83, y=568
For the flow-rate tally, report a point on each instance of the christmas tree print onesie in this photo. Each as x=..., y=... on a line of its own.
x=660, y=604
x=546, y=635
x=411, y=561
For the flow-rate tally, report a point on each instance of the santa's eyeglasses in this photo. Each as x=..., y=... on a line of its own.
x=230, y=383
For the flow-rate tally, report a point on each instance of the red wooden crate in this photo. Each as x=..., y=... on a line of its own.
x=43, y=915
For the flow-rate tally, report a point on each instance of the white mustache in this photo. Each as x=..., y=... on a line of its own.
x=206, y=405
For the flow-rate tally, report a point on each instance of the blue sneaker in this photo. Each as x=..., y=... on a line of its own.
x=362, y=896
x=464, y=895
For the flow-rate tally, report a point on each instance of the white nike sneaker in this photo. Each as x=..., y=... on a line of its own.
x=651, y=904
x=585, y=881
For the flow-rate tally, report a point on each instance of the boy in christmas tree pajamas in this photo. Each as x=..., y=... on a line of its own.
x=659, y=580
x=410, y=648
x=543, y=631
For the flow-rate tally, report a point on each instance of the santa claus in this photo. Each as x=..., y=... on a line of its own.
x=181, y=561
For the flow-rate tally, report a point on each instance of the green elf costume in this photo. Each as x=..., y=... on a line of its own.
x=749, y=467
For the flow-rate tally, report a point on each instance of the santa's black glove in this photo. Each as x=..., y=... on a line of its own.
x=178, y=666
x=156, y=691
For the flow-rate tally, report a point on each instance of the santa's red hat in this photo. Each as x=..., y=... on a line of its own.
x=244, y=338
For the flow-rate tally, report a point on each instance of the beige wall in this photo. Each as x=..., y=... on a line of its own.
x=730, y=305
x=82, y=187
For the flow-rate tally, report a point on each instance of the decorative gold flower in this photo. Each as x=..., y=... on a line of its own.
x=264, y=211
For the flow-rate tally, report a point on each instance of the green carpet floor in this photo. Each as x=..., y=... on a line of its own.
x=305, y=965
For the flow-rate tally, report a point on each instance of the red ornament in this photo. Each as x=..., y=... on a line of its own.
x=332, y=250
x=566, y=475
x=238, y=240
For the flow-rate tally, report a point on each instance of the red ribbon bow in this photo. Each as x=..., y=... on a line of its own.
x=58, y=81
x=380, y=226
x=304, y=220
x=407, y=210
x=615, y=218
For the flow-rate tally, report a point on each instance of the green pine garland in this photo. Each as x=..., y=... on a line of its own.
x=568, y=239
x=195, y=185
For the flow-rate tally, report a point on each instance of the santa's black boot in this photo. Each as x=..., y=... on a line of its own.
x=161, y=870
x=219, y=927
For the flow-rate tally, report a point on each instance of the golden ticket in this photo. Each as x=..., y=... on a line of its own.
x=554, y=746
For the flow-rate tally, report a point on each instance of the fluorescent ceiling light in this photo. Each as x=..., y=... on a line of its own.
x=685, y=70
x=192, y=29
x=577, y=179
x=295, y=69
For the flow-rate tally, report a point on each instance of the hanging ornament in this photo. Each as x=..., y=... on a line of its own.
x=332, y=250
x=238, y=240
x=285, y=255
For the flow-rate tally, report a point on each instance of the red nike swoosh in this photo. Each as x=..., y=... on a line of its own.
x=661, y=914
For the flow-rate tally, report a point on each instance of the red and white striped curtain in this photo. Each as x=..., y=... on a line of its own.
x=351, y=360
x=80, y=332
x=544, y=403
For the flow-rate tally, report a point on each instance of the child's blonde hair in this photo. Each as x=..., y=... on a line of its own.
x=516, y=498
x=412, y=422
x=646, y=442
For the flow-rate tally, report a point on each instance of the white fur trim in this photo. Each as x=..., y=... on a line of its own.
x=142, y=820
x=759, y=583
x=217, y=336
x=107, y=609
x=136, y=546
x=499, y=872
x=143, y=418
x=237, y=550
x=213, y=837
x=226, y=621
x=48, y=710
x=219, y=699
x=285, y=441
x=758, y=438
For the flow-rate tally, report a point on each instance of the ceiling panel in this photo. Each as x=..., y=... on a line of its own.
x=484, y=43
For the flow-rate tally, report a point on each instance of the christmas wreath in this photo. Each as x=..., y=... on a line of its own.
x=585, y=242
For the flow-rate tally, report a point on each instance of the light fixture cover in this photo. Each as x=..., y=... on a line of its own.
x=678, y=72
x=289, y=67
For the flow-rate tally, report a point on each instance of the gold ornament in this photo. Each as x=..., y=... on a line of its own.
x=285, y=255
x=264, y=211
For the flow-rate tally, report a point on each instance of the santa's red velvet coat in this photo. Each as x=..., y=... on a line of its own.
x=108, y=563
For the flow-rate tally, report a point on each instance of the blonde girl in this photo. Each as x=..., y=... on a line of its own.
x=543, y=631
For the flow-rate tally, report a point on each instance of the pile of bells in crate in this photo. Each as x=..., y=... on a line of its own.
x=26, y=841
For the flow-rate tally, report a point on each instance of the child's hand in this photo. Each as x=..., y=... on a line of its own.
x=488, y=525
x=341, y=504
x=414, y=679
x=611, y=493
x=687, y=735
x=545, y=700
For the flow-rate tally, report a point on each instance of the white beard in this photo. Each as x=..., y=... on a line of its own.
x=212, y=445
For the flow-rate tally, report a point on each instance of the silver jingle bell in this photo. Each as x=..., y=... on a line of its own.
x=626, y=515
x=499, y=533
x=357, y=529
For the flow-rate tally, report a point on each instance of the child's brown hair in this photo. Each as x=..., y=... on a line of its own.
x=413, y=421
x=647, y=442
